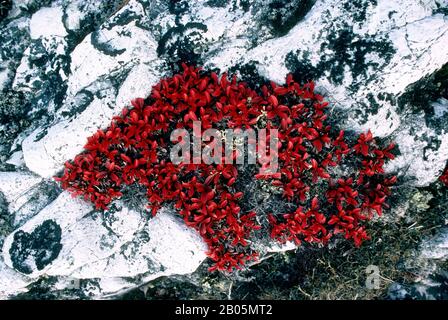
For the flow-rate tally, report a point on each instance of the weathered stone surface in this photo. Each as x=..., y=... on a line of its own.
x=66, y=68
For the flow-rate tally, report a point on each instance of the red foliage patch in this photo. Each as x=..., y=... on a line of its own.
x=311, y=160
x=444, y=177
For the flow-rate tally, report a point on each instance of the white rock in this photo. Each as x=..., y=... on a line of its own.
x=65, y=139
x=15, y=184
x=417, y=159
x=47, y=22
x=11, y=282
x=124, y=244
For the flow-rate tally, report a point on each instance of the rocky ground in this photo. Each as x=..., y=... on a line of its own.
x=66, y=67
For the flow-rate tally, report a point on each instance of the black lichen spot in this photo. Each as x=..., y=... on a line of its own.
x=217, y=3
x=358, y=9
x=299, y=64
x=5, y=6
x=248, y=73
x=283, y=15
x=441, y=8
x=350, y=50
x=37, y=249
x=178, y=7
x=184, y=43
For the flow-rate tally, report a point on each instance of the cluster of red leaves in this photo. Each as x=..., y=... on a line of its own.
x=444, y=177
x=308, y=156
x=133, y=150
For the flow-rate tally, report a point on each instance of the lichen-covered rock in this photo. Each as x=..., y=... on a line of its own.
x=36, y=250
x=67, y=67
x=67, y=238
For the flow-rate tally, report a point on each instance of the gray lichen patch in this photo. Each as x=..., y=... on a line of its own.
x=38, y=198
x=34, y=251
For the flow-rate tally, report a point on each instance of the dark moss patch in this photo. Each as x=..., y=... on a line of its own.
x=283, y=15
x=38, y=248
x=441, y=8
x=13, y=106
x=14, y=109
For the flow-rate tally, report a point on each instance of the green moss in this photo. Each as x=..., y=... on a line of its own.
x=248, y=73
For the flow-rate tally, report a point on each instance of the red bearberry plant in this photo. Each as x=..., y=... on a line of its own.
x=444, y=177
x=334, y=184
